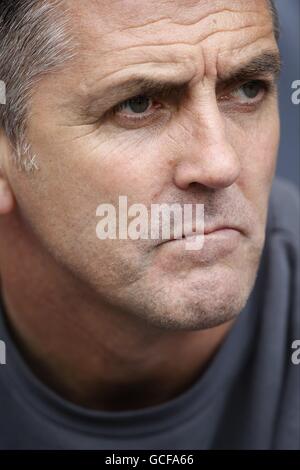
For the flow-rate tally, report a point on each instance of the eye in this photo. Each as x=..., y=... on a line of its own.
x=137, y=112
x=137, y=105
x=250, y=92
x=251, y=89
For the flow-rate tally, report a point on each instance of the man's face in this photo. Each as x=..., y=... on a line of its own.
x=209, y=139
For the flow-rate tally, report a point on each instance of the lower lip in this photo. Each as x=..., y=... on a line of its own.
x=216, y=244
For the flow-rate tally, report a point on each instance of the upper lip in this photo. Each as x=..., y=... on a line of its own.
x=210, y=229
x=207, y=229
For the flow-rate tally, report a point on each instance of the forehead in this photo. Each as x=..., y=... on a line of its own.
x=137, y=13
x=188, y=36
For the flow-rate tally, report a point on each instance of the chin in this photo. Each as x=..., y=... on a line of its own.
x=202, y=300
x=200, y=316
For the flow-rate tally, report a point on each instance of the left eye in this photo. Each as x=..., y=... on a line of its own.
x=137, y=105
x=249, y=91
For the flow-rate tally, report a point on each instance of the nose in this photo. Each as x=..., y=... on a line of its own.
x=207, y=156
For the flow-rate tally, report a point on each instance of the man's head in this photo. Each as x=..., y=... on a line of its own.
x=204, y=129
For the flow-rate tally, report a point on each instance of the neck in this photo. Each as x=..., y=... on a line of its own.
x=84, y=349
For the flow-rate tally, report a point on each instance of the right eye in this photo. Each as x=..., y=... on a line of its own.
x=136, y=105
x=137, y=112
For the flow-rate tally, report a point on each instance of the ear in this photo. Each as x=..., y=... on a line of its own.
x=7, y=200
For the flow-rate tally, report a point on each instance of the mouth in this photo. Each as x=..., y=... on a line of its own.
x=213, y=244
x=208, y=232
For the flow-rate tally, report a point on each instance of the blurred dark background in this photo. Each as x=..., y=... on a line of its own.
x=289, y=153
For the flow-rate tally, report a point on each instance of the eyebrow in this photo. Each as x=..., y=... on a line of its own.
x=266, y=64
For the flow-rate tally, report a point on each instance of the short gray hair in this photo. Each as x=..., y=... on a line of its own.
x=35, y=40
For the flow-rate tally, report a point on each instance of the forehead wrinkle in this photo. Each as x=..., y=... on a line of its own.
x=211, y=16
x=157, y=39
x=101, y=44
x=197, y=61
x=181, y=12
x=96, y=78
x=188, y=56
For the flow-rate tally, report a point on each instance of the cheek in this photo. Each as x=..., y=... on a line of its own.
x=255, y=141
x=128, y=164
x=266, y=140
